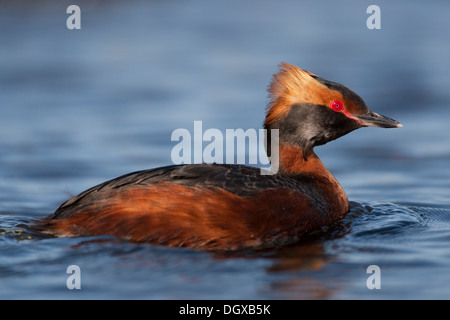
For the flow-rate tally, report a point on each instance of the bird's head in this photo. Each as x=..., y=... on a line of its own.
x=309, y=111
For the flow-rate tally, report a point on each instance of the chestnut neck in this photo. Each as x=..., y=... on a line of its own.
x=293, y=163
x=293, y=160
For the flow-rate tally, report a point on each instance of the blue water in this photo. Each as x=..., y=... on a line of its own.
x=78, y=107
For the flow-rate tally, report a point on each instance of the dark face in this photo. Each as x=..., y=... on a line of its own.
x=308, y=125
x=356, y=109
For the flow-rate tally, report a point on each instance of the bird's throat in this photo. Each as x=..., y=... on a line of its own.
x=294, y=160
x=297, y=165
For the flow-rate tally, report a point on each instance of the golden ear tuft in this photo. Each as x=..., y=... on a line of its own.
x=291, y=85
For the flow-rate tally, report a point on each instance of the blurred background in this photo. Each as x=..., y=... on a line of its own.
x=78, y=107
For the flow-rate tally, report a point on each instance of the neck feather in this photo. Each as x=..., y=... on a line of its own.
x=294, y=160
x=292, y=163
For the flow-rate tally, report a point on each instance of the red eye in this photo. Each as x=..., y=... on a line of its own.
x=337, y=105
